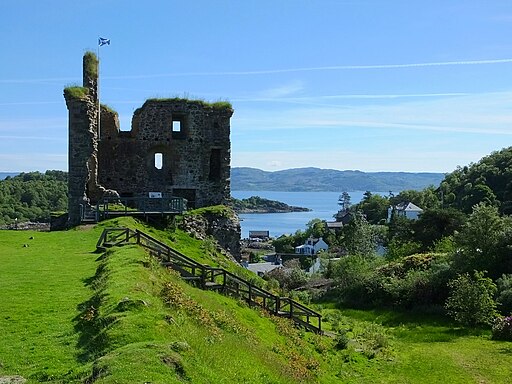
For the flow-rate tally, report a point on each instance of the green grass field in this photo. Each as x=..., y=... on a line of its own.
x=69, y=315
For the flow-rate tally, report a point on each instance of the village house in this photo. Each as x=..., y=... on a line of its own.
x=312, y=246
x=408, y=210
x=259, y=235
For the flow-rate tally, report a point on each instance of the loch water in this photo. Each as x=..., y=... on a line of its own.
x=323, y=206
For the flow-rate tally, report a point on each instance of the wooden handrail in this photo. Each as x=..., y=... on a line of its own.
x=230, y=283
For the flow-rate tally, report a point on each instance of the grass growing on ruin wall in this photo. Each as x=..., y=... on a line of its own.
x=91, y=64
x=76, y=92
x=108, y=108
x=215, y=105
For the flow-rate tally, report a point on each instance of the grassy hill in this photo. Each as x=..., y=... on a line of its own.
x=70, y=315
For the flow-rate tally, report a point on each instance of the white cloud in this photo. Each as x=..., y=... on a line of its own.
x=486, y=113
x=282, y=91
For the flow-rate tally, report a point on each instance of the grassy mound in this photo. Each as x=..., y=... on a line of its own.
x=70, y=315
x=140, y=315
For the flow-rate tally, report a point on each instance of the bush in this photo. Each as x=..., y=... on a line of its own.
x=504, y=299
x=419, y=279
x=502, y=328
x=471, y=301
x=302, y=296
x=341, y=340
x=401, y=248
x=354, y=279
x=289, y=277
x=444, y=245
x=413, y=288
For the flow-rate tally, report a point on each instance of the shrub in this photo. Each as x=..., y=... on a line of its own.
x=419, y=279
x=302, y=296
x=471, y=299
x=341, y=340
x=289, y=277
x=444, y=245
x=502, y=328
x=401, y=248
x=504, y=298
x=354, y=279
x=373, y=340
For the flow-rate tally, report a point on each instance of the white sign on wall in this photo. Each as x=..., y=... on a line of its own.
x=155, y=195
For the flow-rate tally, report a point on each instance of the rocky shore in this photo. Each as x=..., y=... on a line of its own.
x=256, y=204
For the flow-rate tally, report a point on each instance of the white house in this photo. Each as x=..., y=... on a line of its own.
x=312, y=246
x=407, y=210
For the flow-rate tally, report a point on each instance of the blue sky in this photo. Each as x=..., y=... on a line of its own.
x=373, y=85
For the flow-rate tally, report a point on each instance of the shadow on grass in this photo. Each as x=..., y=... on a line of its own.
x=428, y=324
x=89, y=325
x=506, y=350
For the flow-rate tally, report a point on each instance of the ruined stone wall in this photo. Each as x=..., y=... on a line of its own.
x=82, y=137
x=190, y=136
x=82, y=104
x=192, y=139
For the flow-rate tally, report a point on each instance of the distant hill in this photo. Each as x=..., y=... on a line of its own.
x=316, y=180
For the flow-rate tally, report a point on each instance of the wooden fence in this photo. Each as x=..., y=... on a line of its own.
x=212, y=278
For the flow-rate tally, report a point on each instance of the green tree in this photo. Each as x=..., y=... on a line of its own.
x=284, y=244
x=353, y=278
x=471, y=300
x=504, y=284
x=344, y=201
x=374, y=207
x=316, y=228
x=359, y=236
x=427, y=198
x=488, y=180
x=484, y=241
x=434, y=224
x=32, y=196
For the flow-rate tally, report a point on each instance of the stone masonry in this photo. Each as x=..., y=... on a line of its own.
x=176, y=147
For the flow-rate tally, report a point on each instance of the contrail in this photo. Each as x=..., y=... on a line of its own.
x=277, y=71
x=326, y=68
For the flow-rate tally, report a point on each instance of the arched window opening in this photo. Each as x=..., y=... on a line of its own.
x=159, y=160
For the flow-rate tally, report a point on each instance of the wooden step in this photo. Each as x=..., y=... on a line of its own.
x=213, y=285
x=189, y=278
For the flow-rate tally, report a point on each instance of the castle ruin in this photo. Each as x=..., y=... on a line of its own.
x=176, y=147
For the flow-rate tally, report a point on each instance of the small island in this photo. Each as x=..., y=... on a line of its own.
x=256, y=204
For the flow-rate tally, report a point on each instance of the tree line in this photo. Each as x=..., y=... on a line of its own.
x=33, y=196
x=455, y=257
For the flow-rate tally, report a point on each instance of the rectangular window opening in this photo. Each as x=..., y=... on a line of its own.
x=176, y=126
x=159, y=160
x=215, y=165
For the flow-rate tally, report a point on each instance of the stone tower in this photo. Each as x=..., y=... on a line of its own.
x=176, y=147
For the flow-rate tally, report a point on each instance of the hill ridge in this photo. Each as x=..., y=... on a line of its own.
x=312, y=179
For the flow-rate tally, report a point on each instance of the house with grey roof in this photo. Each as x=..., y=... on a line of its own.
x=312, y=246
x=408, y=210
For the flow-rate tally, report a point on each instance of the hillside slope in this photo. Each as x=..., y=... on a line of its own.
x=77, y=316
x=70, y=315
